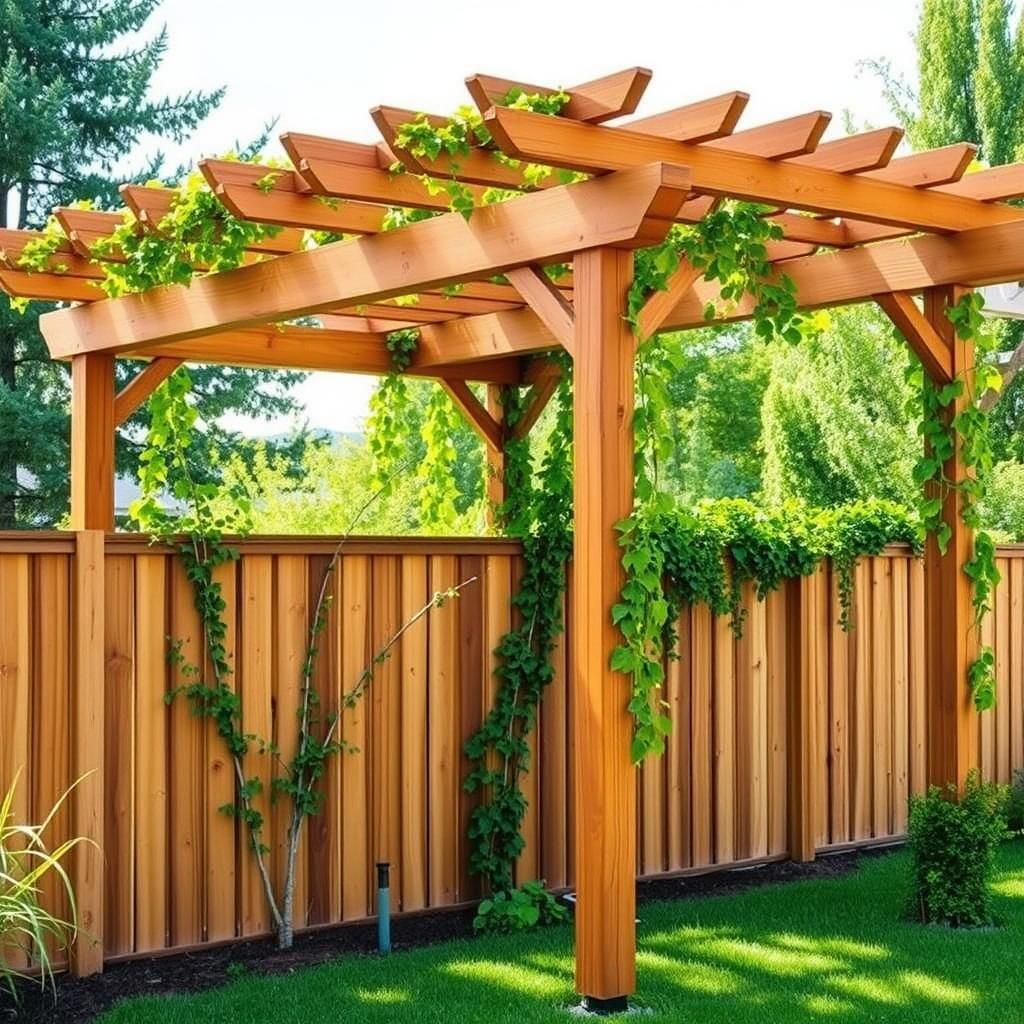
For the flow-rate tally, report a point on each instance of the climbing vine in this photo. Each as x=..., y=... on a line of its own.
x=729, y=246
x=949, y=431
x=540, y=515
x=194, y=518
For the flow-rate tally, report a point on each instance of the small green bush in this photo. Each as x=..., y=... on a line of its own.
x=952, y=842
x=1015, y=806
x=518, y=910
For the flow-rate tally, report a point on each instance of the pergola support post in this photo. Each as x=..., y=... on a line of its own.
x=495, y=468
x=92, y=513
x=92, y=441
x=950, y=637
x=87, y=746
x=605, y=778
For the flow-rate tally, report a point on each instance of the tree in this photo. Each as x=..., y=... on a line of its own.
x=834, y=422
x=970, y=79
x=74, y=105
x=715, y=433
x=970, y=86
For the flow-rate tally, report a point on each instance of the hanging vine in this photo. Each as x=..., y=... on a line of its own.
x=964, y=433
x=541, y=516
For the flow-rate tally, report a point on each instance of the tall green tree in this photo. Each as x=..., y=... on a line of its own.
x=834, y=421
x=75, y=105
x=970, y=79
x=969, y=88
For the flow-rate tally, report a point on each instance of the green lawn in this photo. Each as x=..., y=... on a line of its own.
x=829, y=950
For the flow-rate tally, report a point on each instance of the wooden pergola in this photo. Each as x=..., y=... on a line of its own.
x=892, y=227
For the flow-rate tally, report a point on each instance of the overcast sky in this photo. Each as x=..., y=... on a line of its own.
x=320, y=65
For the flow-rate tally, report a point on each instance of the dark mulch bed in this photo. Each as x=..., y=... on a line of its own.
x=81, y=999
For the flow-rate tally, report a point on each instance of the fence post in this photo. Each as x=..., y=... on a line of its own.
x=801, y=745
x=87, y=748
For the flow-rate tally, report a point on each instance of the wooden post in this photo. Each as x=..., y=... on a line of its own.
x=605, y=778
x=92, y=442
x=495, y=468
x=801, y=746
x=87, y=719
x=951, y=641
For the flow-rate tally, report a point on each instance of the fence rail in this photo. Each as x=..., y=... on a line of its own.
x=176, y=870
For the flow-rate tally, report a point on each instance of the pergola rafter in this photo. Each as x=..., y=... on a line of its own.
x=899, y=227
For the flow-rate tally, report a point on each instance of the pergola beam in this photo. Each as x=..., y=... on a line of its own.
x=985, y=255
x=596, y=101
x=694, y=122
x=473, y=339
x=624, y=210
x=311, y=348
x=525, y=135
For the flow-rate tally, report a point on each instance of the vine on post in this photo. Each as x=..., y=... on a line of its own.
x=965, y=433
x=541, y=516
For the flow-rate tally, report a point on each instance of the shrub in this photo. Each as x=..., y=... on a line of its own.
x=518, y=910
x=952, y=842
x=25, y=925
x=1015, y=806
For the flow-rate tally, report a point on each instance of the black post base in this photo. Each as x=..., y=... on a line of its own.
x=606, y=1007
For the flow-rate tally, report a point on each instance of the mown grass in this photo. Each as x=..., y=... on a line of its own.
x=830, y=950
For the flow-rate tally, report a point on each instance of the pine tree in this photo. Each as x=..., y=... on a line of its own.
x=75, y=104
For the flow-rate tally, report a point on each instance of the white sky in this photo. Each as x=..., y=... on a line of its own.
x=319, y=66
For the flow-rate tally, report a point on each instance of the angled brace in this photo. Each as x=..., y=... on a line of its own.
x=141, y=386
x=546, y=301
x=490, y=430
x=933, y=351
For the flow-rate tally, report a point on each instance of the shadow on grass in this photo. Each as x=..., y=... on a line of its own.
x=814, y=951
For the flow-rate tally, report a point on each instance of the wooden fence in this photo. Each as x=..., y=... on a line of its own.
x=177, y=872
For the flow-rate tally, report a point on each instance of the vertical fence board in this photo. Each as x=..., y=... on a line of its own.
x=356, y=602
x=255, y=674
x=860, y=732
x=743, y=728
x=385, y=725
x=221, y=828
x=413, y=652
x=1003, y=599
x=702, y=743
x=443, y=754
x=918, y=753
x=881, y=678
x=775, y=611
x=986, y=722
x=119, y=838
x=291, y=625
x=678, y=793
x=16, y=764
x=838, y=723
x=151, y=781
x=553, y=756
x=1015, y=583
x=724, y=740
x=900, y=697
x=187, y=773
x=470, y=610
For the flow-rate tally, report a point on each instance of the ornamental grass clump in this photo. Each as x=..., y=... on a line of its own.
x=29, y=933
x=952, y=843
